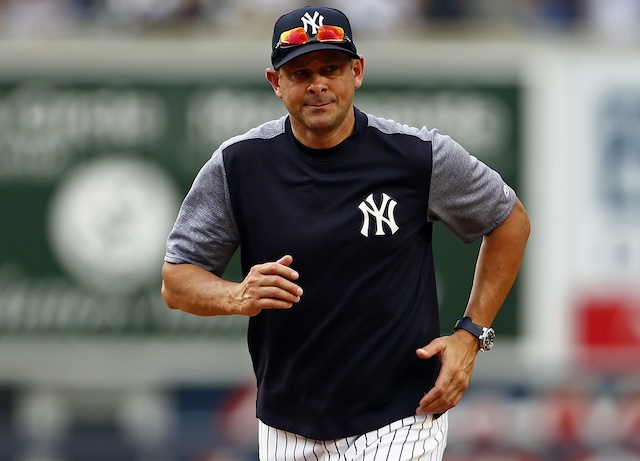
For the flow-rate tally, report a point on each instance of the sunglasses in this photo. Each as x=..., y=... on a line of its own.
x=298, y=36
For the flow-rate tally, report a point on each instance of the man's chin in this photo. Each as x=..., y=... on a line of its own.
x=319, y=120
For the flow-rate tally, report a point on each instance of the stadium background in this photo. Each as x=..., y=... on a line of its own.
x=108, y=109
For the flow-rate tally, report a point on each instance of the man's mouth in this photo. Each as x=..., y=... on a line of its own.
x=318, y=104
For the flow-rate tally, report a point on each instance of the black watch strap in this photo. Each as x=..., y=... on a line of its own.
x=465, y=323
x=486, y=336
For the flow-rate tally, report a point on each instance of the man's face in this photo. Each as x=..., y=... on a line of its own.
x=317, y=89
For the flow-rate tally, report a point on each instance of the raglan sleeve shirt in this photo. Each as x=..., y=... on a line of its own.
x=346, y=277
x=466, y=195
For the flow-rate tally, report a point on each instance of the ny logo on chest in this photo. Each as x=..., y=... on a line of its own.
x=382, y=214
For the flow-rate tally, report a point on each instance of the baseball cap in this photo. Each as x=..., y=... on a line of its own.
x=308, y=29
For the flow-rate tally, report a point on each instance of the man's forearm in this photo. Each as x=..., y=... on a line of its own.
x=194, y=290
x=499, y=262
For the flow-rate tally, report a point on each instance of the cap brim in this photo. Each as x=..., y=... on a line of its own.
x=308, y=48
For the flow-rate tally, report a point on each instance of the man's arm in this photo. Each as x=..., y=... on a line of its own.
x=267, y=286
x=498, y=264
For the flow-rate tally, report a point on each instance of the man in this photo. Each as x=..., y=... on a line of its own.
x=333, y=210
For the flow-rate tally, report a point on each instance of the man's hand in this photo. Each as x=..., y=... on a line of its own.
x=267, y=286
x=457, y=354
x=197, y=291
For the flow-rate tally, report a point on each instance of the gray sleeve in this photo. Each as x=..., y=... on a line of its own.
x=205, y=233
x=465, y=194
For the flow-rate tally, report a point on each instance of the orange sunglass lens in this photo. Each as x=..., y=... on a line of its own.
x=295, y=36
x=330, y=34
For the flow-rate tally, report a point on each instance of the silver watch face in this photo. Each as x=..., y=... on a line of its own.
x=487, y=339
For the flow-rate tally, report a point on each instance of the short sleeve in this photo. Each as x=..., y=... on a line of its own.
x=469, y=197
x=205, y=232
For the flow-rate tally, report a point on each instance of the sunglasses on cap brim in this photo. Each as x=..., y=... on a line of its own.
x=298, y=36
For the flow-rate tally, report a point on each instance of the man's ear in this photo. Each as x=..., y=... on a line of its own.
x=272, y=76
x=358, y=71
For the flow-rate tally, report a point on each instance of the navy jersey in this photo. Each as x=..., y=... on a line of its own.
x=357, y=219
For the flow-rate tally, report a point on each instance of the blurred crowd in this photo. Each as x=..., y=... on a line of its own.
x=588, y=421
x=61, y=18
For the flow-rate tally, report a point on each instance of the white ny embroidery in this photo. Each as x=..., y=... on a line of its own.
x=315, y=22
x=383, y=215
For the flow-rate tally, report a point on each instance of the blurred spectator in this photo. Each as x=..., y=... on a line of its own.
x=371, y=17
x=269, y=10
x=615, y=20
x=565, y=411
x=144, y=12
x=629, y=419
x=86, y=8
x=484, y=421
x=445, y=9
x=34, y=18
x=140, y=11
x=555, y=13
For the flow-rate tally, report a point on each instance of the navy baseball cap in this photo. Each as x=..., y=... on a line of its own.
x=308, y=29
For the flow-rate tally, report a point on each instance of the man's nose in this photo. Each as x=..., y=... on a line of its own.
x=318, y=83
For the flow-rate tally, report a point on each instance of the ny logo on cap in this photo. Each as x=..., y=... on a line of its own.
x=314, y=22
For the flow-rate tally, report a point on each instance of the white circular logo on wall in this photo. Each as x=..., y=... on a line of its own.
x=109, y=220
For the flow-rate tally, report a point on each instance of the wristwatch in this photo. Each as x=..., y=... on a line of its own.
x=486, y=336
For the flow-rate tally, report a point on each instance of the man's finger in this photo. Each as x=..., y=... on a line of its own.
x=286, y=260
x=433, y=402
x=279, y=267
x=430, y=350
x=429, y=403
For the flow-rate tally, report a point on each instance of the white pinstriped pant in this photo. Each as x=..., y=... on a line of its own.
x=415, y=438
